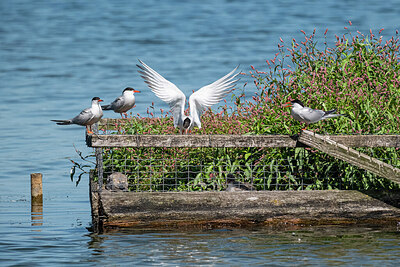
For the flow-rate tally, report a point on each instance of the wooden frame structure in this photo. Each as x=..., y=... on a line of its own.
x=151, y=209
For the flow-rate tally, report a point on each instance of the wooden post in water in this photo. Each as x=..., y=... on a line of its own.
x=36, y=199
x=36, y=188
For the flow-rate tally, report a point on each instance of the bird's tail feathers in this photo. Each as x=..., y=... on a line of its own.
x=331, y=114
x=106, y=107
x=62, y=122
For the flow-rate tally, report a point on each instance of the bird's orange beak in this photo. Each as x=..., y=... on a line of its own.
x=136, y=91
x=288, y=104
x=100, y=100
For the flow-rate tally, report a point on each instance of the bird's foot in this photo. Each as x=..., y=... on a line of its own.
x=89, y=132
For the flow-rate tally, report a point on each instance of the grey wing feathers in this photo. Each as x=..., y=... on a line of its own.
x=117, y=103
x=83, y=117
x=331, y=114
x=310, y=115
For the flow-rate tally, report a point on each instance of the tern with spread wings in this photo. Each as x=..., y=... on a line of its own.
x=308, y=115
x=200, y=100
x=87, y=117
x=123, y=103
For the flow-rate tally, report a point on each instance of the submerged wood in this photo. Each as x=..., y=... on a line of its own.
x=221, y=209
x=350, y=155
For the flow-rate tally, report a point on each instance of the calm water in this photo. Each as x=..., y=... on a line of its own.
x=56, y=55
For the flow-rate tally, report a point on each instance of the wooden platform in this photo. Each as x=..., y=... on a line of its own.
x=118, y=209
x=214, y=209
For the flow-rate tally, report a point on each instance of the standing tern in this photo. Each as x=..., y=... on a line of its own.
x=308, y=115
x=123, y=103
x=200, y=100
x=87, y=117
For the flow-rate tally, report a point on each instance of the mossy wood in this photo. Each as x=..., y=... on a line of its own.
x=238, y=209
x=354, y=157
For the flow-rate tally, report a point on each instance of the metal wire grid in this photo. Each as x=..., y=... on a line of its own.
x=151, y=170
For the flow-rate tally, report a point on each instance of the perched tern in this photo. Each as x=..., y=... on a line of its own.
x=200, y=100
x=308, y=115
x=123, y=103
x=87, y=117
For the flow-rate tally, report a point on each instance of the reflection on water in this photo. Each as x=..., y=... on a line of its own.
x=307, y=245
x=37, y=214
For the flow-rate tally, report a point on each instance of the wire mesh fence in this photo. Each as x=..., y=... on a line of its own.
x=165, y=169
x=206, y=169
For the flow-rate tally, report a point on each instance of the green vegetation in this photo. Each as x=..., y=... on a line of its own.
x=358, y=75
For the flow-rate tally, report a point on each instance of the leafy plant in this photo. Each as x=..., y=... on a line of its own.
x=358, y=75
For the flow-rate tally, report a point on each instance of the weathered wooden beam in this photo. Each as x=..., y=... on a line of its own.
x=191, y=141
x=234, y=140
x=366, y=140
x=221, y=209
x=94, y=202
x=225, y=140
x=354, y=157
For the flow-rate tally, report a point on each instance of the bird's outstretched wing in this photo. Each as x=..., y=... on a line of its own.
x=211, y=94
x=165, y=90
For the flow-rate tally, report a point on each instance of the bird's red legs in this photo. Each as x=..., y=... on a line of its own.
x=88, y=129
x=126, y=115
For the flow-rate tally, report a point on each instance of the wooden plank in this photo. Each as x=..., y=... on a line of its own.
x=233, y=140
x=191, y=141
x=221, y=209
x=350, y=155
x=94, y=202
x=366, y=140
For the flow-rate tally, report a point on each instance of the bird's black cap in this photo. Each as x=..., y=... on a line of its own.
x=128, y=89
x=298, y=102
x=95, y=98
x=186, y=123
